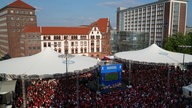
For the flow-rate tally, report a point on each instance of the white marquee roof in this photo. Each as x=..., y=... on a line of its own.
x=46, y=62
x=155, y=54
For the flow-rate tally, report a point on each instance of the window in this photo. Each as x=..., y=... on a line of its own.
x=59, y=50
x=76, y=43
x=45, y=44
x=85, y=50
x=30, y=13
x=12, y=11
x=72, y=51
x=98, y=42
x=12, y=18
x=49, y=44
x=97, y=37
x=18, y=30
x=92, y=43
x=83, y=37
x=81, y=50
x=44, y=37
x=85, y=43
x=74, y=37
x=92, y=37
x=49, y=37
x=81, y=43
x=31, y=19
x=72, y=43
x=57, y=38
x=12, y=24
x=76, y=50
x=97, y=49
x=65, y=37
x=55, y=44
x=17, y=11
x=92, y=49
x=66, y=51
x=18, y=24
x=59, y=44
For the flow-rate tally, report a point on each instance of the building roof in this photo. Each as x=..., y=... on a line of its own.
x=31, y=29
x=102, y=24
x=65, y=30
x=19, y=4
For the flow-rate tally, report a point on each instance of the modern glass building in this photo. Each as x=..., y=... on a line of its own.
x=127, y=41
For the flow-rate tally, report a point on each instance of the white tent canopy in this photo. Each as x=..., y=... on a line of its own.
x=187, y=90
x=46, y=62
x=155, y=54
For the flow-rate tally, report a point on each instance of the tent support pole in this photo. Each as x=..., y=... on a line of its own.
x=129, y=73
x=24, y=93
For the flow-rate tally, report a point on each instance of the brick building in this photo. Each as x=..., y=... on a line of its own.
x=161, y=19
x=13, y=18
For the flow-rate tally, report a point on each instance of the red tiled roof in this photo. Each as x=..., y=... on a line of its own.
x=65, y=30
x=102, y=24
x=20, y=4
x=31, y=29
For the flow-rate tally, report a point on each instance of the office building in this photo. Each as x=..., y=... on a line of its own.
x=161, y=19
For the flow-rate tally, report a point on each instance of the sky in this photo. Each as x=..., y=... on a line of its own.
x=82, y=12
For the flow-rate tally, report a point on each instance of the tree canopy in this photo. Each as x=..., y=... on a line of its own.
x=179, y=43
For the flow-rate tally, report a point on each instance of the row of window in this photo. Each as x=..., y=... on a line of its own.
x=3, y=18
x=58, y=44
x=34, y=48
x=144, y=15
x=21, y=12
x=75, y=50
x=22, y=18
x=159, y=7
x=57, y=37
x=3, y=12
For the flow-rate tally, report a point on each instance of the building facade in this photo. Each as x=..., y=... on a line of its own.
x=30, y=41
x=161, y=19
x=128, y=41
x=91, y=40
x=13, y=18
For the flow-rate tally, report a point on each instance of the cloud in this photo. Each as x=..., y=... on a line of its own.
x=38, y=9
x=121, y=3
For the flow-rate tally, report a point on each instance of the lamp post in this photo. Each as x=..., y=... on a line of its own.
x=66, y=56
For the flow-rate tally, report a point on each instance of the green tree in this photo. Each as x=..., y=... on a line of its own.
x=175, y=42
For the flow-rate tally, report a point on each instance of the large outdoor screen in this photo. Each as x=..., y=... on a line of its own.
x=111, y=76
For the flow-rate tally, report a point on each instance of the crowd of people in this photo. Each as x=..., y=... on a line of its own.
x=152, y=85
